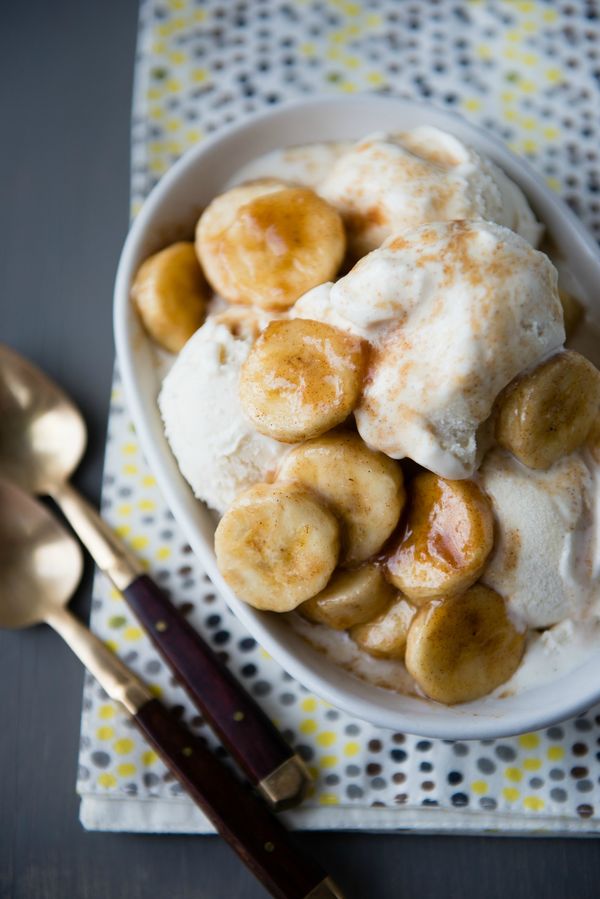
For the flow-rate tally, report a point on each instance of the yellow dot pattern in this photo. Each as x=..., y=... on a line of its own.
x=479, y=787
x=514, y=774
x=523, y=93
x=124, y=746
x=533, y=803
x=327, y=738
x=529, y=741
x=107, y=780
x=308, y=726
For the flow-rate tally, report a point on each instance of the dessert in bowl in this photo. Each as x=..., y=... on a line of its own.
x=380, y=410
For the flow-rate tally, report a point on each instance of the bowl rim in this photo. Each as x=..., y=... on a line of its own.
x=474, y=727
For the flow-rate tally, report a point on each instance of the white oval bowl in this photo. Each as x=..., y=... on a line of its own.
x=169, y=212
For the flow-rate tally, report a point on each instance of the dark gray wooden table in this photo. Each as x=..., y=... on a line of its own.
x=65, y=93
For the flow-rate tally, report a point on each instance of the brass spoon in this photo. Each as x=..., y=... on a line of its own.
x=42, y=439
x=40, y=567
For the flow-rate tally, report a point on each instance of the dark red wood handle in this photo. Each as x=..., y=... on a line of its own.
x=243, y=727
x=241, y=818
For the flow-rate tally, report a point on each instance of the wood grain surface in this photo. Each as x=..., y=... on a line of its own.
x=244, y=729
x=65, y=96
x=270, y=851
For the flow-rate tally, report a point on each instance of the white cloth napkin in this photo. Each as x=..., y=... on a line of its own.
x=525, y=72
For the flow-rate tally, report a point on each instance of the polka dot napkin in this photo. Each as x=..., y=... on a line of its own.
x=529, y=73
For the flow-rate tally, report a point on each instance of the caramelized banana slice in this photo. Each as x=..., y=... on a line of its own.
x=572, y=311
x=385, y=636
x=170, y=294
x=268, y=242
x=549, y=412
x=462, y=647
x=362, y=486
x=446, y=539
x=302, y=378
x=350, y=597
x=277, y=545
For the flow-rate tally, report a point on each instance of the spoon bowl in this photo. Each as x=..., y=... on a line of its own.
x=41, y=563
x=43, y=433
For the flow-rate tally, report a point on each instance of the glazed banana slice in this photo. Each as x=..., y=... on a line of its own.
x=351, y=597
x=445, y=541
x=302, y=378
x=362, y=486
x=549, y=412
x=462, y=647
x=385, y=636
x=170, y=294
x=268, y=242
x=277, y=545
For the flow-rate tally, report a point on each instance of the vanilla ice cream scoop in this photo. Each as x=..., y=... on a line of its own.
x=217, y=449
x=316, y=305
x=545, y=533
x=389, y=182
x=454, y=311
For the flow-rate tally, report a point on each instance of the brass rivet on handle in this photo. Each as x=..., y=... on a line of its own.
x=161, y=626
x=238, y=716
x=187, y=751
x=269, y=847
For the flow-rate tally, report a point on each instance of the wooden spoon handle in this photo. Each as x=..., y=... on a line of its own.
x=241, y=818
x=242, y=726
x=237, y=813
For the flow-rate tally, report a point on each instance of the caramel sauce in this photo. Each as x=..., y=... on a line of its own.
x=512, y=549
x=359, y=222
x=434, y=532
x=278, y=220
x=448, y=529
x=279, y=245
x=277, y=226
